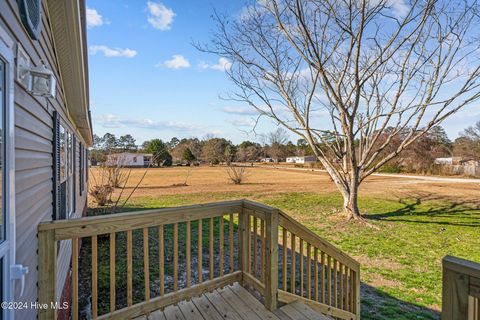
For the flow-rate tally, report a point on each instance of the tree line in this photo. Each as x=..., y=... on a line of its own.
x=418, y=157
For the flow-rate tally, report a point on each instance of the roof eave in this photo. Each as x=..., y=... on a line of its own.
x=69, y=33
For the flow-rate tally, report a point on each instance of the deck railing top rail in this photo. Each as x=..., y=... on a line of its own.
x=96, y=225
x=244, y=245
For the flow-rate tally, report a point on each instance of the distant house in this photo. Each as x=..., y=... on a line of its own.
x=267, y=160
x=129, y=159
x=459, y=166
x=302, y=160
x=457, y=161
x=444, y=161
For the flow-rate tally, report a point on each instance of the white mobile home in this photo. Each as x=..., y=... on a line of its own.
x=302, y=160
x=128, y=159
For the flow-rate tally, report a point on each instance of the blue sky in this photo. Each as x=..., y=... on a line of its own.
x=148, y=80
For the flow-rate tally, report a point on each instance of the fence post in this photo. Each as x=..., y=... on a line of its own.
x=242, y=241
x=357, y=293
x=47, y=273
x=454, y=292
x=271, y=260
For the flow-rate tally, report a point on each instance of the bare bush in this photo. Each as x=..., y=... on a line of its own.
x=101, y=194
x=115, y=169
x=237, y=174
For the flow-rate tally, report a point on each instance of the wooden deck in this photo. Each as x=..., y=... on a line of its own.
x=235, y=303
x=226, y=243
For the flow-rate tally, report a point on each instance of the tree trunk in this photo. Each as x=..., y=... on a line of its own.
x=349, y=191
x=350, y=198
x=350, y=205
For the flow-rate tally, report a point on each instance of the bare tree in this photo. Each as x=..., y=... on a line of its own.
x=468, y=144
x=338, y=73
x=276, y=143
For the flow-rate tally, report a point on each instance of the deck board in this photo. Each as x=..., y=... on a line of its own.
x=293, y=313
x=252, y=302
x=231, y=302
x=190, y=311
x=157, y=315
x=222, y=306
x=241, y=306
x=173, y=313
x=307, y=311
x=207, y=310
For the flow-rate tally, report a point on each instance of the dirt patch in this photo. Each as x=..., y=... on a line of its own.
x=378, y=263
x=380, y=282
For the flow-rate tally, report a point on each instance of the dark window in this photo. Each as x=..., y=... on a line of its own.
x=81, y=168
x=3, y=96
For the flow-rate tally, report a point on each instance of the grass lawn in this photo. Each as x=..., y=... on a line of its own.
x=413, y=226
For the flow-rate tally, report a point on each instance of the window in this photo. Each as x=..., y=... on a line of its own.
x=81, y=169
x=66, y=190
x=62, y=153
x=2, y=139
x=135, y=159
x=70, y=181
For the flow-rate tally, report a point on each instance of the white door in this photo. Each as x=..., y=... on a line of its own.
x=9, y=271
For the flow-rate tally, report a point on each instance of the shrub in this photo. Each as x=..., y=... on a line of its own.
x=236, y=174
x=390, y=168
x=101, y=194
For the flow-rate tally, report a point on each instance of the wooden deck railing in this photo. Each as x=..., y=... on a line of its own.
x=235, y=241
x=461, y=289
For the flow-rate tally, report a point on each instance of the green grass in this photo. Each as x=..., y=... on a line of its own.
x=400, y=252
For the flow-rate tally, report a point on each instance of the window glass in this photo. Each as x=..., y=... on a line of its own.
x=68, y=168
x=70, y=154
x=62, y=153
x=2, y=147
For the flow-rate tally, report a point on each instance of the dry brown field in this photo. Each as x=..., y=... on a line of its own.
x=269, y=180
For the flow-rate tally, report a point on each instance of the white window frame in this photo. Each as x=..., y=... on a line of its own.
x=7, y=247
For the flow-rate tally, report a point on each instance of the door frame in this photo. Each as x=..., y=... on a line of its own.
x=7, y=247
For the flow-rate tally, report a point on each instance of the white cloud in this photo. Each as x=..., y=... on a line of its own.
x=159, y=16
x=113, y=121
x=399, y=8
x=177, y=62
x=242, y=122
x=223, y=64
x=94, y=19
x=240, y=110
x=113, y=52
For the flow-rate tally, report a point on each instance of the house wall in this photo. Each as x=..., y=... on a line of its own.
x=126, y=160
x=33, y=153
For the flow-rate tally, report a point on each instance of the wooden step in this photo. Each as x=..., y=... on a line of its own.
x=299, y=311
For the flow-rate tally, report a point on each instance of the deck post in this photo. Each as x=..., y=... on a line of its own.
x=455, y=290
x=242, y=241
x=47, y=273
x=357, y=293
x=271, y=260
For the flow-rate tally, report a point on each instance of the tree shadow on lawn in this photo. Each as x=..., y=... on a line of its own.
x=417, y=206
x=379, y=305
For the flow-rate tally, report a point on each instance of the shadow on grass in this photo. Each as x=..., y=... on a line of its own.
x=416, y=207
x=379, y=305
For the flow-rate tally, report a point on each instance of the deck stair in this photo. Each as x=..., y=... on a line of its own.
x=300, y=311
x=232, y=302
